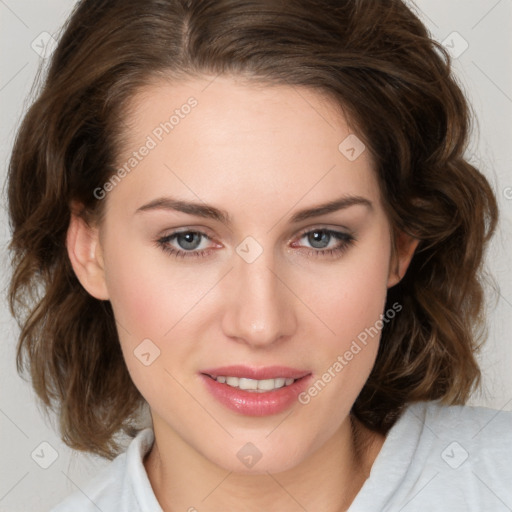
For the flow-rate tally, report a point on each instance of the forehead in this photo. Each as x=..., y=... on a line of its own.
x=207, y=137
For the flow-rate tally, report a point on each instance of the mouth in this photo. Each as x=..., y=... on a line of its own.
x=256, y=391
x=253, y=385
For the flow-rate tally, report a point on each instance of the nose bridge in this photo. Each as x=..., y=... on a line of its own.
x=260, y=311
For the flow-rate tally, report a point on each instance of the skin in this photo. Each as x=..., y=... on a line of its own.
x=261, y=153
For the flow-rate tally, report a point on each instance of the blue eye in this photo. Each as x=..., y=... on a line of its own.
x=320, y=239
x=184, y=244
x=188, y=242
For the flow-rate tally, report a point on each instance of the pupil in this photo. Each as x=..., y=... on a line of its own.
x=319, y=239
x=187, y=240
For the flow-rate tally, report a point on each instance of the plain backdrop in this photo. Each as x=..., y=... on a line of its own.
x=479, y=34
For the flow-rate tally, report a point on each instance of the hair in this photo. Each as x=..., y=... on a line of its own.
x=373, y=59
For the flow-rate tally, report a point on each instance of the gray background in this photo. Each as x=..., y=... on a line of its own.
x=484, y=69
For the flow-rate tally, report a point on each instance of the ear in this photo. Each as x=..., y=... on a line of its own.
x=86, y=257
x=403, y=250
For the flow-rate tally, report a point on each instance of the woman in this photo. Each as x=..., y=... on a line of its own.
x=256, y=218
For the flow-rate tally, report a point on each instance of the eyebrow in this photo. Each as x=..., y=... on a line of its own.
x=211, y=212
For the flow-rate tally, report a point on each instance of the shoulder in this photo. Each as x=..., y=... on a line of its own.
x=476, y=439
x=439, y=457
x=462, y=455
x=99, y=493
x=122, y=486
x=480, y=431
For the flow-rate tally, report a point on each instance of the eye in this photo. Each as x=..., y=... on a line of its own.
x=327, y=242
x=189, y=243
x=186, y=244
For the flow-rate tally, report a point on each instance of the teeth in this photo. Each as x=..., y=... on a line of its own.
x=248, y=384
x=259, y=386
x=279, y=382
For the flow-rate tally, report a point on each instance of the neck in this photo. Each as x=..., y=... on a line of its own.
x=327, y=481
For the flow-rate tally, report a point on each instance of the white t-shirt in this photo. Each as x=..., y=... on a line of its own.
x=435, y=458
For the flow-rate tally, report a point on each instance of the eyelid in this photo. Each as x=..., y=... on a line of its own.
x=324, y=227
x=203, y=231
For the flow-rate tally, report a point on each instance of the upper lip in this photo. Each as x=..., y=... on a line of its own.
x=262, y=373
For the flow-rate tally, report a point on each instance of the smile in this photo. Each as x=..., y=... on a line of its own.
x=258, y=386
x=256, y=391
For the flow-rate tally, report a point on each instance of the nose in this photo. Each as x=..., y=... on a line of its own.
x=260, y=307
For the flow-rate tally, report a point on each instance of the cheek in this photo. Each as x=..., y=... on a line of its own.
x=150, y=298
x=150, y=290
x=144, y=296
x=353, y=294
x=136, y=301
x=352, y=306
x=143, y=315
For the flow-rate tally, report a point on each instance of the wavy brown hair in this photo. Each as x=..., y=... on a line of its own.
x=377, y=62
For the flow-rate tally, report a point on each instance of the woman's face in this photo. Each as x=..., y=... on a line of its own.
x=221, y=260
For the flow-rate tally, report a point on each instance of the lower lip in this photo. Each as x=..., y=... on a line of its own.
x=255, y=403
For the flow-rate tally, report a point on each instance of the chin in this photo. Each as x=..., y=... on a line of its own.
x=258, y=458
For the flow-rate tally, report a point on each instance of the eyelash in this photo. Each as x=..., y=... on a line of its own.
x=345, y=239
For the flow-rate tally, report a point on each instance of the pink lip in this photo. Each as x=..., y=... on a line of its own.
x=267, y=372
x=252, y=403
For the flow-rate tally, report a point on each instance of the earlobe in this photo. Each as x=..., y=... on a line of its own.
x=86, y=258
x=404, y=248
